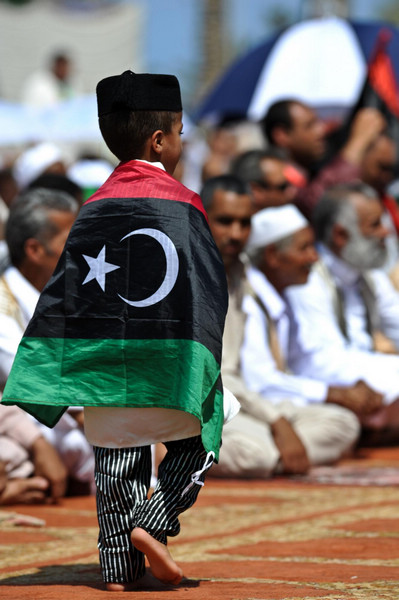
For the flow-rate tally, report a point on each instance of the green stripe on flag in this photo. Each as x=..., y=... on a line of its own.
x=139, y=373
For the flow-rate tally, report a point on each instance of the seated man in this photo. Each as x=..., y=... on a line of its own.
x=37, y=228
x=378, y=170
x=31, y=470
x=268, y=434
x=348, y=298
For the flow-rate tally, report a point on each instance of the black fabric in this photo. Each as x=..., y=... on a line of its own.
x=138, y=91
x=70, y=309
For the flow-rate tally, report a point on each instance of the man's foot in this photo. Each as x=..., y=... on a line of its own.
x=24, y=491
x=162, y=565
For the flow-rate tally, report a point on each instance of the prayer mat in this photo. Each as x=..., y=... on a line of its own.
x=350, y=475
x=369, y=466
x=243, y=540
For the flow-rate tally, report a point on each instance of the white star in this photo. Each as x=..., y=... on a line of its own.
x=98, y=268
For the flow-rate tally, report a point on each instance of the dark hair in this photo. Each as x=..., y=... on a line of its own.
x=228, y=183
x=29, y=218
x=335, y=206
x=57, y=181
x=278, y=115
x=247, y=166
x=125, y=132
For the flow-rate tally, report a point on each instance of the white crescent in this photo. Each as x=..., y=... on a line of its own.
x=172, y=267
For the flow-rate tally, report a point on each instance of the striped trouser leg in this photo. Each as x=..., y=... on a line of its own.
x=159, y=515
x=122, y=480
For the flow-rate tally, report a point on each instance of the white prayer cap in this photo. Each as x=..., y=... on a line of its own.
x=90, y=173
x=274, y=224
x=34, y=161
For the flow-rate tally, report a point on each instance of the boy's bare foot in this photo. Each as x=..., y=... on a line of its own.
x=118, y=587
x=146, y=583
x=162, y=565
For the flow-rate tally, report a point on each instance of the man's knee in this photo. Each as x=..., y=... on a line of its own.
x=243, y=456
x=334, y=433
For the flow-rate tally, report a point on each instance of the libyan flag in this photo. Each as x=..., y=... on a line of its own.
x=133, y=315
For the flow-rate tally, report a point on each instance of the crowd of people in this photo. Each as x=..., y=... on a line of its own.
x=289, y=255
x=309, y=243
x=310, y=251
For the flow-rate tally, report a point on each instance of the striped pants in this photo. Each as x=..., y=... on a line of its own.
x=123, y=480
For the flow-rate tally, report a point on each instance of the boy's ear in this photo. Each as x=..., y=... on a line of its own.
x=157, y=141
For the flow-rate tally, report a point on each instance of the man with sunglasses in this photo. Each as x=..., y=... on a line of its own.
x=268, y=175
x=294, y=128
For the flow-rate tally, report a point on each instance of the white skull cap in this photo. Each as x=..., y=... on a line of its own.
x=34, y=161
x=274, y=224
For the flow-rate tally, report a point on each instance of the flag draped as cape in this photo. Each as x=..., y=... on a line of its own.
x=134, y=312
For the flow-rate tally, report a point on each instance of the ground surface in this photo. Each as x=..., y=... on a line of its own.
x=332, y=536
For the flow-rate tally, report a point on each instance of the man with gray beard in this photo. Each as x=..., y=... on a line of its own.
x=347, y=299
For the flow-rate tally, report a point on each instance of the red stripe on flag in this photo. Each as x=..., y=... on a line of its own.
x=136, y=179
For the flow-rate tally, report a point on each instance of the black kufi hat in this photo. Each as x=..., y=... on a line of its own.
x=138, y=91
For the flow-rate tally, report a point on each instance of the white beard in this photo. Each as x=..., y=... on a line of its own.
x=364, y=253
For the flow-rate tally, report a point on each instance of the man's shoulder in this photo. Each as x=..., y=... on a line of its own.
x=319, y=288
x=320, y=274
x=261, y=288
x=381, y=284
x=8, y=303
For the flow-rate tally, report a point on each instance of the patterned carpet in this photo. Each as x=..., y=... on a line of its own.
x=306, y=539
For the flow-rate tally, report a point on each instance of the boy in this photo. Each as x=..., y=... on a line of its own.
x=130, y=326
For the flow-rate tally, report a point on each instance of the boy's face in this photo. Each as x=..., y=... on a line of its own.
x=172, y=148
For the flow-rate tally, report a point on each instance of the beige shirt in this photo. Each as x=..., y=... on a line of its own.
x=251, y=402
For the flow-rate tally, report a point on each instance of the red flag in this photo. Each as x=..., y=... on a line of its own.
x=381, y=75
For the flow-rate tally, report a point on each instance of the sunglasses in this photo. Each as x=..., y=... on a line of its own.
x=387, y=167
x=281, y=187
